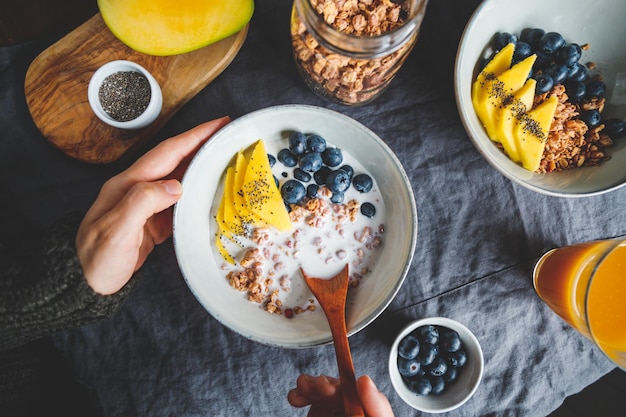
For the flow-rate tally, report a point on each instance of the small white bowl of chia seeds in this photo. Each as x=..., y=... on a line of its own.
x=125, y=95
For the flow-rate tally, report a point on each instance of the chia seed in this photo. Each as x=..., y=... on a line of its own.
x=125, y=95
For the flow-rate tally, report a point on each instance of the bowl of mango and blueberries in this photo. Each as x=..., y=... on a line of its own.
x=543, y=95
x=435, y=364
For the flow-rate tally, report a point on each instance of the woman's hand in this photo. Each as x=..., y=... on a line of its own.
x=133, y=212
x=323, y=394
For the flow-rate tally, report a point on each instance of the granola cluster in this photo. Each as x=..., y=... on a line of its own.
x=260, y=271
x=361, y=17
x=570, y=143
x=340, y=77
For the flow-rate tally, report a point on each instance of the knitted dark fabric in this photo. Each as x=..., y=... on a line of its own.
x=43, y=292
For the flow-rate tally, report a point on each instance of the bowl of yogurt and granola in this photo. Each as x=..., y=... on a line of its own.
x=288, y=188
x=541, y=90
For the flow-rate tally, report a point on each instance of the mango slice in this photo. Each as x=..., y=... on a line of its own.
x=497, y=92
x=249, y=218
x=233, y=222
x=227, y=220
x=261, y=193
x=166, y=27
x=498, y=64
x=532, y=131
x=520, y=104
x=251, y=199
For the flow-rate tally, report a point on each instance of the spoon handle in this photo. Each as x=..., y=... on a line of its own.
x=351, y=403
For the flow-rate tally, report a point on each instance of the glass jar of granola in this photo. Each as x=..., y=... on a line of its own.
x=348, y=51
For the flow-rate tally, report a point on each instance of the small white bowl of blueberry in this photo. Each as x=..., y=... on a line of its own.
x=436, y=364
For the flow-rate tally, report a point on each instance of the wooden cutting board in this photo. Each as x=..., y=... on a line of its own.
x=57, y=80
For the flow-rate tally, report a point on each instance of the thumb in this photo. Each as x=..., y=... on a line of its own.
x=374, y=402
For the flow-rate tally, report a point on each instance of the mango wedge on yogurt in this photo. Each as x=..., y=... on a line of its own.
x=250, y=199
x=502, y=96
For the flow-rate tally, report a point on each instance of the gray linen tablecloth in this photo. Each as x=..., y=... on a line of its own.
x=479, y=236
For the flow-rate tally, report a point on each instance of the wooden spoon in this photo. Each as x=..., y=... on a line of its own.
x=331, y=294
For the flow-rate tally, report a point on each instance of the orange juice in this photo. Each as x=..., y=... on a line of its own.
x=585, y=284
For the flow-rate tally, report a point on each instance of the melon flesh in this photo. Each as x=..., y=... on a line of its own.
x=171, y=27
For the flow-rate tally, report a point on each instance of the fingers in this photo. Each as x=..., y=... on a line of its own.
x=166, y=156
x=311, y=390
x=323, y=394
x=375, y=403
x=157, y=164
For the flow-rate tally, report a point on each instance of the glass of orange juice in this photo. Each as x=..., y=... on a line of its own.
x=585, y=284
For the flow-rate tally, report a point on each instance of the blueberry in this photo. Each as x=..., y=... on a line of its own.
x=572, y=70
x=420, y=386
x=596, y=89
x=522, y=50
x=275, y=180
x=362, y=183
x=551, y=42
x=408, y=367
x=575, y=90
x=288, y=158
x=579, y=72
x=542, y=61
x=272, y=159
x=614, y=127
x=451, y=374
x=337, y=197
x=348, y=169
x=312, y=190
x=438, y=385
x=569, y=54
x=544, y=83
x=301, y=175
x=531, y=35
x=409, y=347
x=438, y=367
x=502, y=39
x=558, y=72
x=338, y=181
x=320, y=175
x=590, y=117
x=428, y=334
x=332, y=157
x=428, y=353
x=316, y=143
x=457, y=358
x=292, y=191
x=368, y=210
x=297, y=143
x=449, y=340
x=311, y=161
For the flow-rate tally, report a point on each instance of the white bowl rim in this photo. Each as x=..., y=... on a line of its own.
x=465, y=333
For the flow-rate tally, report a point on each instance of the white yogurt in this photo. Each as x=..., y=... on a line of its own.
x=321, y=251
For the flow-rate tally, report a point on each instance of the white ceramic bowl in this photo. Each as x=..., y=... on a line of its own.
x=596, y=22
x=154, y=106
x=194, y=231
x=455, y=394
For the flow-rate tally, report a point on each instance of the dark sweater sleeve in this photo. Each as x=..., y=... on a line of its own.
x=45, y=292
